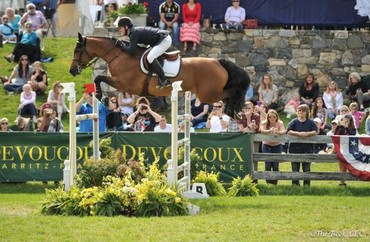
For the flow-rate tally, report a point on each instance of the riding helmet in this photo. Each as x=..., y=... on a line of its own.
x=125, y=21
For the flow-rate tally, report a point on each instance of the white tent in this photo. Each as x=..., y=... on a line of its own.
x=80, y=17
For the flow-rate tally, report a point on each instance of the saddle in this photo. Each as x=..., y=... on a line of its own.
x=170, y=61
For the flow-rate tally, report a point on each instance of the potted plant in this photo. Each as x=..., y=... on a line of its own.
x=137, y=12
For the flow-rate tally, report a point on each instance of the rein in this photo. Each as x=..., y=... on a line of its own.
x=82, y=45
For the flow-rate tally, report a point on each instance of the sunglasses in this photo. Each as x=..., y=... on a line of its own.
x=5, y=123
x=235, y=1
x=217, y=106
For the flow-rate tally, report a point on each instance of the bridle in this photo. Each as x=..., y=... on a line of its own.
x=81, y=47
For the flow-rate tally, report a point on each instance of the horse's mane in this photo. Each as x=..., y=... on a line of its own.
x=115, y=40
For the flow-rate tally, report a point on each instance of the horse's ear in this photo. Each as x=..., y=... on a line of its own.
x=80, y=39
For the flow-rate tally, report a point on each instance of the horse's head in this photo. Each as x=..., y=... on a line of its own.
x=81, y=57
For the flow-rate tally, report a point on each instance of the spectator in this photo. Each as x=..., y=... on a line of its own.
x=6, y=29
x=163, y=126
x=346, y=126
x=114, y=120
x=13, y=21
x=126, y=126
x=358, y=90
x=21, y=75
x=85, y=106
x=191, y=13
x=291, y=107
x=217, y=121
x=127, y=103
x=272, y=125
x=319, y=111
x=39, y=79
x=268, y=92
x=36, y=17
x=39, y=4
x=320, y=131
x=4, y=125
x=333, y=99
x=250, y=120
x=234, y=16
x=182, y=128
x=262, y=110
x=27, y=104
x=233, y=126
x=57, y=100
x=199, y=113
x=301, y=127
x=357, y=116
x=144, y=118
x=330, y=146
x=169, y=13
x=48, y=121
x=343, y=112
x=26, y=46
x=309, y=90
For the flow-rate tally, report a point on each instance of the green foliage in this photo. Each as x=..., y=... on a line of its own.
x=93, y=172
x=105, y=148
x=119, y=196
x=135, y=170
x=132, y=9
x=211, y=180
x=243, y=187
x=195, y=158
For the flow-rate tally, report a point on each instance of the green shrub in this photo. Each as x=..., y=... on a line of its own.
x=133, y=169
x=243, y=187
x=93, y=172
x=157, y=199
x=211, y=180
x=119, y=196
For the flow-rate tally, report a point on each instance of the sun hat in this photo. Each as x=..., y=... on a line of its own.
x=317, y=120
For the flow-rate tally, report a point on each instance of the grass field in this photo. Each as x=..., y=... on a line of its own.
x=61, y=49
x=292, y=214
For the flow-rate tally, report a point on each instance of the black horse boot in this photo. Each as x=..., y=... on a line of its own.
x=162, y=80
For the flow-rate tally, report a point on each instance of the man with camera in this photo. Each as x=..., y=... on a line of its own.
x=85, y=106
x=144, y=118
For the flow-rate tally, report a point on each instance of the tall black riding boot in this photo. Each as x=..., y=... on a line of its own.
x=157, y=68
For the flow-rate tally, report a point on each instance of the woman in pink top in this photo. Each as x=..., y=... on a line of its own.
x=191, y=12
x=28, y=103
x=292, y=106
x=274, y=126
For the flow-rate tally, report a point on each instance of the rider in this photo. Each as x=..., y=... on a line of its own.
x=159, y=40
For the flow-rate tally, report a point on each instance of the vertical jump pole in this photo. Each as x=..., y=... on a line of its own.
x=70, y=89
x=70, y=170
x=172, y=163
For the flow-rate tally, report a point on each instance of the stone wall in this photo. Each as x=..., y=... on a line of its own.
x=289, y=55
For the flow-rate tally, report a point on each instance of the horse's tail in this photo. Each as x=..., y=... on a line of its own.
x=235, y=88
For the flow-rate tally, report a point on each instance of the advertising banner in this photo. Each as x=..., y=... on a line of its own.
x=28, y=156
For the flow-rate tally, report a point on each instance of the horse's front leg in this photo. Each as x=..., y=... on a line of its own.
x=99, y=79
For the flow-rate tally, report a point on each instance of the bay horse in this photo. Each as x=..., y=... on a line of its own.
x=210, y=79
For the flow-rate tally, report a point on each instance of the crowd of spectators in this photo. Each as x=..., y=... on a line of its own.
x=310, y=111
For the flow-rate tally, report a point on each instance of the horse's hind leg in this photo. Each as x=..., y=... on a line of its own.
x=99, y=79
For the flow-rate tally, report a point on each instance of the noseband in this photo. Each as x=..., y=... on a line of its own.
x=82, y=49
